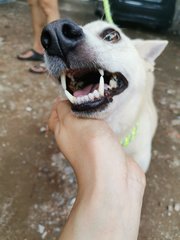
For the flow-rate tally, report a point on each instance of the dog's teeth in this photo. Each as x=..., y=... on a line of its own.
x=83, y=99
x=70, y=76
x=91, y=96
x=101, y=86
x=96, y=94
x=63, y=80
x=113, y=83
x=78, y=100
x=86, y=98
x=101, y=72
x=71, y=98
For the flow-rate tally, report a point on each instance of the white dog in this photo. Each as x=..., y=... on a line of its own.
x=106, y=75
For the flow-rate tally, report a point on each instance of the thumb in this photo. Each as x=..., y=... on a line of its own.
x=63, y=109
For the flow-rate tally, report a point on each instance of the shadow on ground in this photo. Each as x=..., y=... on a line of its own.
x=37, y=189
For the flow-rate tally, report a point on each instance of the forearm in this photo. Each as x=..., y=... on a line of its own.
x=103, y=208
x=99, y=218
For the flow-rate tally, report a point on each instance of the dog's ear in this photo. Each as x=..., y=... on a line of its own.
x=149, y=50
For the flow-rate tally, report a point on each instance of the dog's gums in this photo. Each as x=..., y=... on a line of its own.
x=89, y=90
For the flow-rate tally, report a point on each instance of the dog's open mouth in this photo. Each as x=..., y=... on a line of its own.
x=91, y=90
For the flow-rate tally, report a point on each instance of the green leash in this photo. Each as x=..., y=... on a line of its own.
x=107, y=11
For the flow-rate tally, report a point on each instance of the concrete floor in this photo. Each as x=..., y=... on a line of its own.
x=37, y=189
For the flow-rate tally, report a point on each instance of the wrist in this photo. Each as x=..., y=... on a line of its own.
x=102, y=171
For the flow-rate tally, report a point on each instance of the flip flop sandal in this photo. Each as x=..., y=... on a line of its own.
x=38, y=69
x=34, y=57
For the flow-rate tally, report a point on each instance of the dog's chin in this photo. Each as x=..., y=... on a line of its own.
x=91, y=91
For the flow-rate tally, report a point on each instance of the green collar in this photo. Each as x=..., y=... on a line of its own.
x=130, y=137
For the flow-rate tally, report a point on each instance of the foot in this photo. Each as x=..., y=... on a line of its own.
x=40, y=68
x=31, y=55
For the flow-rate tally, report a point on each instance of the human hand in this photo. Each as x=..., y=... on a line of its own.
x=76, y=137
x=110, y=184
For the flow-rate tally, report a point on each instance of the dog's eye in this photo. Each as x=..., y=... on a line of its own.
x=110, y=35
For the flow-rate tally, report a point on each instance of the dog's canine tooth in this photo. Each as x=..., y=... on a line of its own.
x=113, y=83
x=101, y=86
x=63, y=80
x=101, y=71
x=71, y=98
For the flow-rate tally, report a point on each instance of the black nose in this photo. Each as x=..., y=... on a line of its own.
x=61, y=36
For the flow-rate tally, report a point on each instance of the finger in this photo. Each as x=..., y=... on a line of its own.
x=55, y=104
x=63, y=109
x=53, y=120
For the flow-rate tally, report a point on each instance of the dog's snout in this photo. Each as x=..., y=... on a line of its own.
x=46, y=38
x=61, y=36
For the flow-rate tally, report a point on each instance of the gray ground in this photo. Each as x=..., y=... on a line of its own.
x=37, y=189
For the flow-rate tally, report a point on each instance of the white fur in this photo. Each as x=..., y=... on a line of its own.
x=135, y=60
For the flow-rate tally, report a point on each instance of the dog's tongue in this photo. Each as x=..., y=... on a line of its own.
x=85, y=91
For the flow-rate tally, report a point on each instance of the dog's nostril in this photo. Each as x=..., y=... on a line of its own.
x=60, y=37
x=71, y=31
x=46, y=40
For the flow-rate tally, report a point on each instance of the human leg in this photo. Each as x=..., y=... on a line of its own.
x=42, y=12
x=50, y=9
x=51, y=13
x=38, y=22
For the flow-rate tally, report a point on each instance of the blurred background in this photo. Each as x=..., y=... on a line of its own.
x=154, y=14
x=38, y=188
